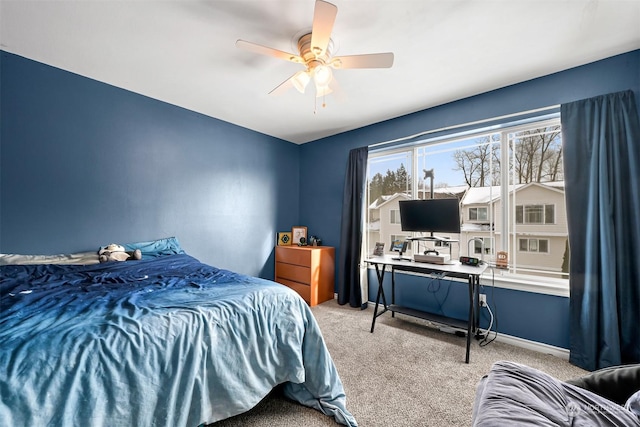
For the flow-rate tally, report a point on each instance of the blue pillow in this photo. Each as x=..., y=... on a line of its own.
x=156, y=248
x=633, y=403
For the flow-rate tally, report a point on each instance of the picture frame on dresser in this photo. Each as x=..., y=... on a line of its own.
x=284, y=238
x=298, y=232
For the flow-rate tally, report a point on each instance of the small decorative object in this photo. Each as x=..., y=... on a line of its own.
x=303, y=242
x=299, y=232
x=115, y=252
x=502, y=260
x=379, y=250
x=284, y=238
x=314, y=241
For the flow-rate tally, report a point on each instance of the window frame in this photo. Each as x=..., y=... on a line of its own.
x=518, y=280
x=521, y=214
x=490, y=247
x=394, y=214
x=529, y=240
x=479, y=209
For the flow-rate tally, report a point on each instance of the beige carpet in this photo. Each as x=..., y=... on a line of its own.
x=404, y=374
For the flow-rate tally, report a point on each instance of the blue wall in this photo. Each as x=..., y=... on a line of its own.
x=85, y=164
x=530, y=316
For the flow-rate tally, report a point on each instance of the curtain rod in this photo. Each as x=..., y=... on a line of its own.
x=427, y=132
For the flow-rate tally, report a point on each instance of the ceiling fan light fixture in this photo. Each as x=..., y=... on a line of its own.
x=322, y=75
x=315, y=50
x=323, y=90
x=300, y=80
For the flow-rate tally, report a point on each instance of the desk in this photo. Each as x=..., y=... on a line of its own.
x=454, y=270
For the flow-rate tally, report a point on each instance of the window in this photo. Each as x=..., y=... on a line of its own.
x=510, y=184
x=549, y=214
x=480, y=242
x=395, y=216
x=478, y=214
x=535, y=214
x=533, y=245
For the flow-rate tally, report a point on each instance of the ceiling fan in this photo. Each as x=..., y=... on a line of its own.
x=315, y=54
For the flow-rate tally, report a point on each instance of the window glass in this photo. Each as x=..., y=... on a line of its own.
x=509, y=183
x=543, y=245
x=519, y=214
x=478, y=214
x=480, y=243
x=473, y=214
x=533, y=214
x=524, y=245
x=482, y=214
x=395, y=216
x=549, y=214
x=389, y=181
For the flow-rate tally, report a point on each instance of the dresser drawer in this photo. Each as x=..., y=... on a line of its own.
x=308, y=270
x=291, y=255
x=303, y=290
x=296, y=273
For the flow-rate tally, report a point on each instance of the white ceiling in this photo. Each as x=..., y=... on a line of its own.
x=183, y=52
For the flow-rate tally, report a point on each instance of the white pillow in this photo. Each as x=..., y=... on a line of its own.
x=82, y=258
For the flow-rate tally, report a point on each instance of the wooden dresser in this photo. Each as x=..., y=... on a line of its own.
x=308, y=270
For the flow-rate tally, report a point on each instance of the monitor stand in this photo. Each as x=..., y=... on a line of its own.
x=400, y=257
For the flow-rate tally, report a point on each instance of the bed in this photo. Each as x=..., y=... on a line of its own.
x=163, y=341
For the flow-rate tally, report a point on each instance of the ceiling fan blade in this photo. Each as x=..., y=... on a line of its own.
x=269, y=51
x=282, y=87
x=324, y=15
x=372, y=60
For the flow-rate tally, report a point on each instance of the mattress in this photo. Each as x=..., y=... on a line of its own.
x=166, y=341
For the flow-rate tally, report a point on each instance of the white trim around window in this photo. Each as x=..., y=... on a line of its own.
x=546, y=286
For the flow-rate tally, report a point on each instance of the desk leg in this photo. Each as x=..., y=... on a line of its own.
x=380, y=275
x=476, y=304
x=471, y=319
x=393, y=289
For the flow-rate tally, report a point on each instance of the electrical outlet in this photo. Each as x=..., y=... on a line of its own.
x=483, y=300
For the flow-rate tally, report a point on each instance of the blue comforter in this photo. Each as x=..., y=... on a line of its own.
x=161, y=342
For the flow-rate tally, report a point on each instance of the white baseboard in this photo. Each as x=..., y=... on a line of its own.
x=560, y=352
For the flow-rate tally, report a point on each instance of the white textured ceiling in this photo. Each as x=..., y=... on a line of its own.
x=183, y=52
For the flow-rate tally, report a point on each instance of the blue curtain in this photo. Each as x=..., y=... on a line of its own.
x=601, y=138
x=351, y=229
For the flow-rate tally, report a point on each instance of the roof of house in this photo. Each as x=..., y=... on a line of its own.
x=471, y=195
x=383, y=200
x=484, y=195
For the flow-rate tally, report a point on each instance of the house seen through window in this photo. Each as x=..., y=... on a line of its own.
x=510, y=186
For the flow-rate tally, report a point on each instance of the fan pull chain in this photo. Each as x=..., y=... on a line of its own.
x=315, y=103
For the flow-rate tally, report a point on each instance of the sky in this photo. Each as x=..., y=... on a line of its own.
x=438, y=156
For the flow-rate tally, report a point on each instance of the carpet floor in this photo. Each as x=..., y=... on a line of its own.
x=407, y=373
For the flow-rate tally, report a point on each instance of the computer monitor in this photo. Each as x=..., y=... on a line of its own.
x=430, y=215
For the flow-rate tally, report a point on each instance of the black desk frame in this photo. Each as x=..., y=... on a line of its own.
x=457, y=271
